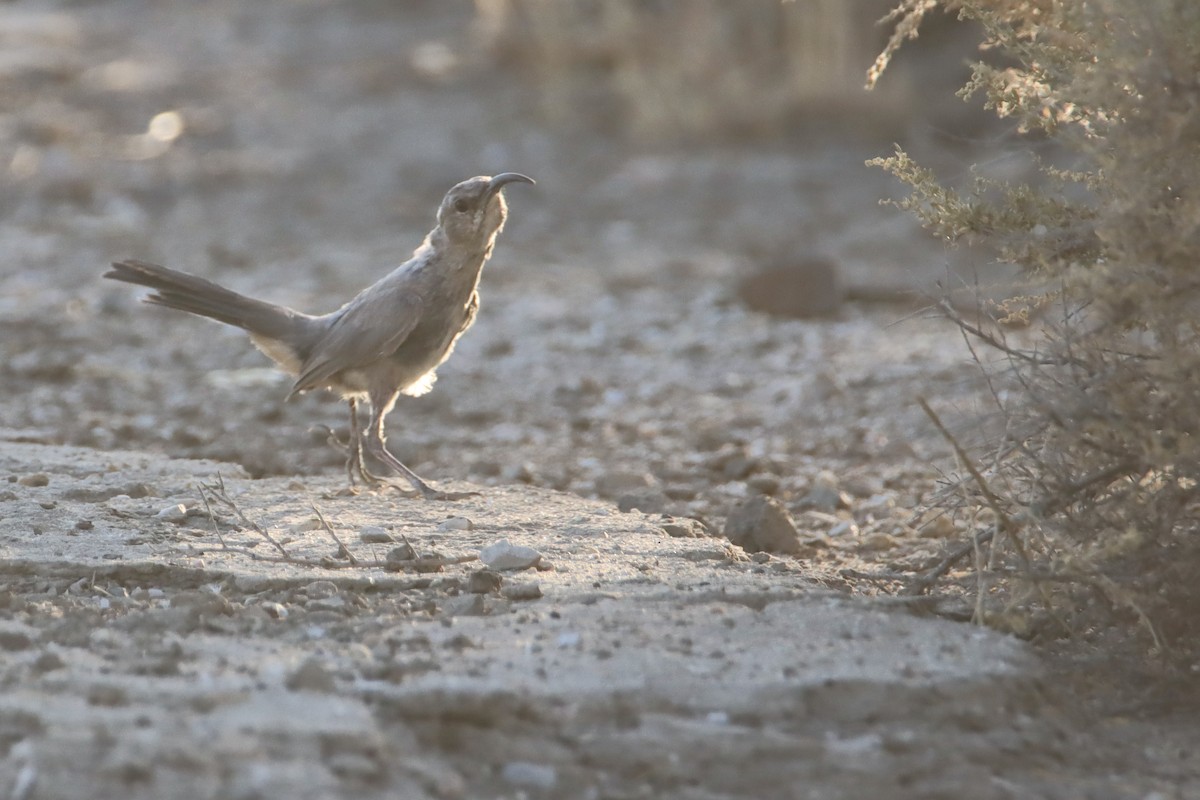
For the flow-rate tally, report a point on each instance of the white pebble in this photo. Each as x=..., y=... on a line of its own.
x=528, y=774
x=175, y=513
x=456, y=524
x=504, y=555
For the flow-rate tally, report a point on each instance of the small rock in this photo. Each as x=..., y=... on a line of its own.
x=400, y=555
x=761, y=523
x=877, y=542
x=36, y=479
x=618, y=482
x=801, y=288
x=275, y=610
x=456, y=524
x=937, y=526
x=48, y=661
x=877, y=506
x=825, y=494
x=685, y=528
x=484, y=581
x=175, y=513
x=504, y=555
x=15, y=640
x=319, y=590
x=84, y=525
x=528, y=775
x=107, y=696
x=523, y=590
x=763, y=483
x=373, y=534
x=648, y=501
x=846, y=527
x=202, y=603
x=464, y=605
x=311, y=676
x=429, y=563
x=312, y=524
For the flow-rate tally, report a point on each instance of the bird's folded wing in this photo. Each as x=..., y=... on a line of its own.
x=363, y=333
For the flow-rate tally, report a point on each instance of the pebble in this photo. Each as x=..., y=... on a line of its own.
x=175, y=513
x=878, y=506
x=311, y=676
x=484, y=581
x=464, y=605
x=845, y=527
x=523, y=590
x=825, y=494
x=373, y=534
x=456, y=524
x=275, y=610
x=36, y=479
x=804, y=287
x=528, y=775
x=319, y=590
x=504, y=555
x=762, y=524
x=648, y=501
x=685, y=528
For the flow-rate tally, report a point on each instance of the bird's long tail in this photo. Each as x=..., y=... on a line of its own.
x=194, y=295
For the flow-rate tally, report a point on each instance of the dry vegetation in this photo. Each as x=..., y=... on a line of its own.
x=1090, y=498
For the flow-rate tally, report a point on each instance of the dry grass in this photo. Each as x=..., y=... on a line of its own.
x=1097, y=474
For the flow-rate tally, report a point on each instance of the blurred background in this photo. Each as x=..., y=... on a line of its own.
x=296, y=150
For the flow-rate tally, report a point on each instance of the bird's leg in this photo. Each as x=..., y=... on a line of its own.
x=377, y=447
x=356, y=468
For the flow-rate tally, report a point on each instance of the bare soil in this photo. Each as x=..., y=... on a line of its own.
x=158, y=642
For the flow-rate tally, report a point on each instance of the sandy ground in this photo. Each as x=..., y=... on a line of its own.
x=162, y=636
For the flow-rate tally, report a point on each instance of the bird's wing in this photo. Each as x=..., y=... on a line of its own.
x=362, y=333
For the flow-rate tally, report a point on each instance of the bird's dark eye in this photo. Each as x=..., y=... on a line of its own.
x=461, y=206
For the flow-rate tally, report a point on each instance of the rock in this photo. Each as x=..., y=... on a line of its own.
x=618, y=482
x=504, y=555
x=175, y=513
x=484, y=581
x=36, y=479
x=846, y=527
x=311, y=676
x=877, y=506
x=529, y=775
x=803, y=288
x=648, y=501
x=373, y=534
x=762, y=524
x=456, y=524
x=464, y=605
x=685, y=528
x=825, y=494
x=522, y=590
x=319, y=590
x=399, y=557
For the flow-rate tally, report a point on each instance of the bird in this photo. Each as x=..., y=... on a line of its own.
x=387, y=341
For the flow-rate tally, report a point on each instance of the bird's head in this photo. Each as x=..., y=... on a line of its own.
x=474, y=210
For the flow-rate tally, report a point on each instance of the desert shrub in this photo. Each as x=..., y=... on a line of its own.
x=1092, y=492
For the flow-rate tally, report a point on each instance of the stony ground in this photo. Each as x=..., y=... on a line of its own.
x=163, y=636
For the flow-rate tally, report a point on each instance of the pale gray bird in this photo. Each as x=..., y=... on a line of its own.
x=387, y=341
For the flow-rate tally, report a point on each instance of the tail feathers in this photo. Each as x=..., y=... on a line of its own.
x=204, y=298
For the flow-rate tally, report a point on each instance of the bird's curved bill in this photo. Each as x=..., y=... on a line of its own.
x=498, y=182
